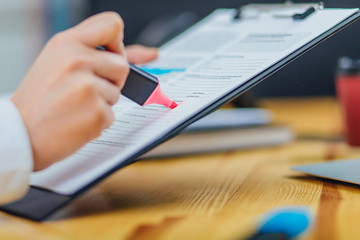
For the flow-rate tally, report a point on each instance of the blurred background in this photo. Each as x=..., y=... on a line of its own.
x=26, y=25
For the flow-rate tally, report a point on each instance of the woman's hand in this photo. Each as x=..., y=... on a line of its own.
x=66, y=97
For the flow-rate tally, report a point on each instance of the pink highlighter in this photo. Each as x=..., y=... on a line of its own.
x=144, y=89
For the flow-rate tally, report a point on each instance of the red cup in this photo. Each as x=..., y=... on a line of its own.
x=348, y=92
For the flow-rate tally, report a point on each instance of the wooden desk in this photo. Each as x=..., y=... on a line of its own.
x=215, y=196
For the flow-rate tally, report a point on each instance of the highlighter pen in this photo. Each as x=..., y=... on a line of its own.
x=144, y=88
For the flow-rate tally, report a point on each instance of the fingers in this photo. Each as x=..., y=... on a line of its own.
x=107, y=91
x=137, y=54
x=105, y=115
x=104, y=29
x=91, y=86
x=76, y=57
x=100, y=95
x=110, y=66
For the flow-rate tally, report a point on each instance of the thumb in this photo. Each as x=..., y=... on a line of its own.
x=137, y=54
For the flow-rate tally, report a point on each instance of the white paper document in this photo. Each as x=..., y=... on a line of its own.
x=196, y=69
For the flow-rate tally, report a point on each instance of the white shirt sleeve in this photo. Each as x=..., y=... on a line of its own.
x=16, y=158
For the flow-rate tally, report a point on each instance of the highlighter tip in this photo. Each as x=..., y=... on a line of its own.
x=173, y=105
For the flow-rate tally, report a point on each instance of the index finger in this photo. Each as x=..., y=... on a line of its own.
x=104, y=29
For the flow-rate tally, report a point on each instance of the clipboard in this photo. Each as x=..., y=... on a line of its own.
x=44, y=199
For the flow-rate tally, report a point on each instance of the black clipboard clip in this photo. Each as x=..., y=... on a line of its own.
x=296, y=11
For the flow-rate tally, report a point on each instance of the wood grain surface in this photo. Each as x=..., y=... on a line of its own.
x=216, y=196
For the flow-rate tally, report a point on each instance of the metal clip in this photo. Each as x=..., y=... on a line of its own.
x=296, y=11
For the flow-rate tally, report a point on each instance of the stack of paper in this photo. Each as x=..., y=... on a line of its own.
x=226, y=129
